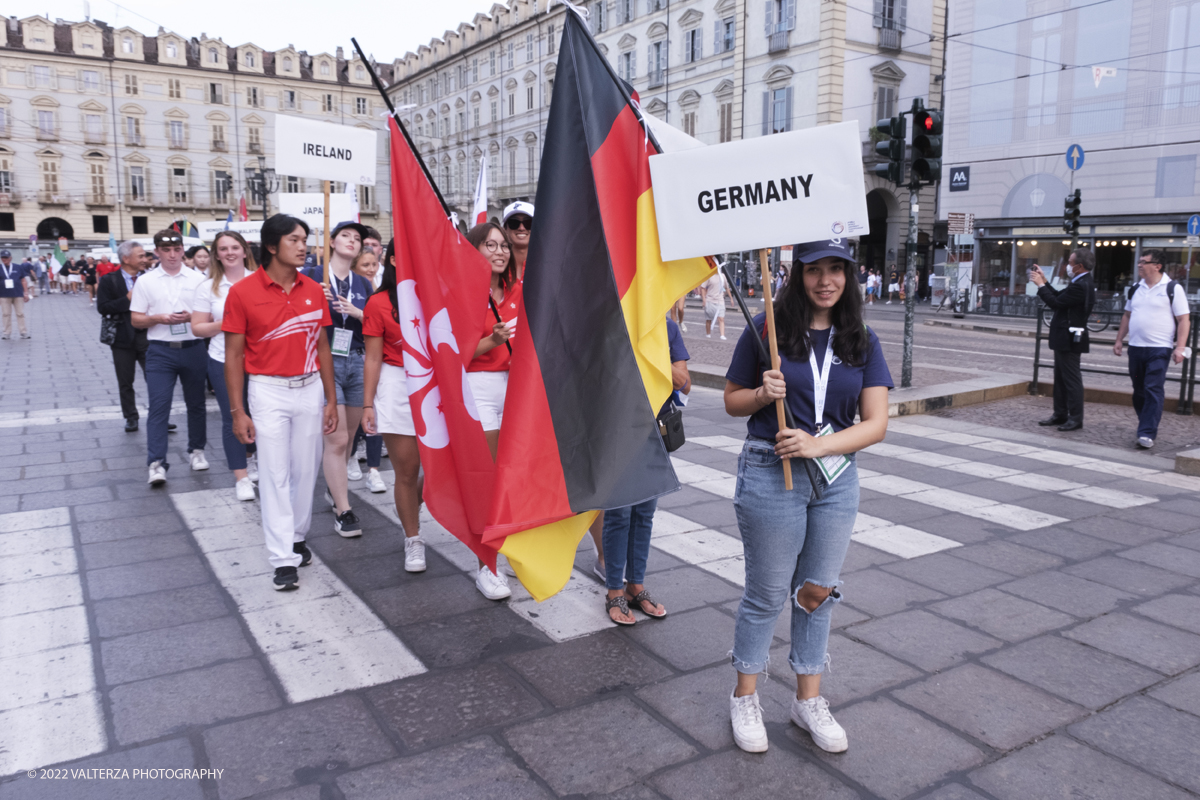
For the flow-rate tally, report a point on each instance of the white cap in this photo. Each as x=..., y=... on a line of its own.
x=519, y=207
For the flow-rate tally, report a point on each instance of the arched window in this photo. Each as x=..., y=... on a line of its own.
x=359, y=73
x=249, y=58
x=287, y=64
x=127, y=44
x=324, y=67
x=172, y=50
x=212, y=55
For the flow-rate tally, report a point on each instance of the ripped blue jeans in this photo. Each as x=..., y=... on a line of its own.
x=790, y=538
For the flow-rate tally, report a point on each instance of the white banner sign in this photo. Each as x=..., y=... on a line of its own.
x=248, y=230
x=310, y=207
x=801, y=186
x=312, y=149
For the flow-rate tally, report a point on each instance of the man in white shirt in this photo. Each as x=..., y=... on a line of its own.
x=1156, y=318
x=712, y=294
x=162, y=304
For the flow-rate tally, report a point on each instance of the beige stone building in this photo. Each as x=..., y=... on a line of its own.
x=108, y=131
x=717, y=69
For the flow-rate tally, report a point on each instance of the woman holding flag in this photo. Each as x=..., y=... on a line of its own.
x=487, y=373
x=832, y=368
x=385, y=406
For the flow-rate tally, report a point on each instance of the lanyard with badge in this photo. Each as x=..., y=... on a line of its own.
x=9, y=283
x=343, y=337
x=831, y=466
x=177, y=328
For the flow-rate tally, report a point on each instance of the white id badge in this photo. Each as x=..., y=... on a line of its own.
x=8, y=283
x=831, y=466
x=342, y=337
x=179, y=329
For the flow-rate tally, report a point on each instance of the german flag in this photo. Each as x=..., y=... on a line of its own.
x=579, y=429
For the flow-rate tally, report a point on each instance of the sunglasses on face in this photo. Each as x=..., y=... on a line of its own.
x=493, y=247
x=515, y=223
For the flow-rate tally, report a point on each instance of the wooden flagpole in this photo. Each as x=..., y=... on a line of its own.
x=773, y=343
x=325, y=263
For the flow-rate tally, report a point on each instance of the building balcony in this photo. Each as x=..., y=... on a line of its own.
x=255, y=148
x=54, y=199
x=44, y=135
x=778, y=42
x=177, y=144
x=657, y=78
x=135, y=141
x=99, y=201
x=219, y=146
x=94, y=138
x=9, y=199
x=5, y=132
x=138, y=201
x=889, y=39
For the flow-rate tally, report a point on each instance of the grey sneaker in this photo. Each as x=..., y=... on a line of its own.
x=813, y=716
x=414, y=554
x=1145, y=442
x=749, y=733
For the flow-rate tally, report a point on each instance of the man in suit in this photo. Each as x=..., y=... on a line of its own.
x=129, y=347
x=1068, y=335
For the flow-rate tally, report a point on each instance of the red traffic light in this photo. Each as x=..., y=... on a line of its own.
x=928, y=123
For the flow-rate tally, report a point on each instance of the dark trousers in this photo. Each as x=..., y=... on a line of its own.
x=164, y=365
x=374, y=447
x=125, y=361
x=1068, y=387
x=1148, y=371
x=235, y=451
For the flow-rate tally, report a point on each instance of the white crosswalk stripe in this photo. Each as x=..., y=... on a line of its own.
x=321, y=639
x=50, y=709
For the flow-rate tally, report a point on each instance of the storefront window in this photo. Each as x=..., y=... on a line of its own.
x=995, y=265
x=1176, y=257
x=1049, y=254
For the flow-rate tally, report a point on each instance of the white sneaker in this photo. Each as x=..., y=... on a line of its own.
x=414, y=554
x=1145, y=442
x=813, y=716
x=245, y=489
x=375, y=481
x=252, y=467
x=491, y=585
x=199, y=462
x=683, y=327
x=749, y=733
x=353, y=470
x=158, y=474
x=708, y=336
x=722, y=338
x=361, y=452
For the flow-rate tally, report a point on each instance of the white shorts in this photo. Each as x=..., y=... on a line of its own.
x=714, y=312
x=488, y=389
x=893, y=287
x=74, y=279
x=392, y=412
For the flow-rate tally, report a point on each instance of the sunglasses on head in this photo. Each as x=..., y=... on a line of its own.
x=522, y=222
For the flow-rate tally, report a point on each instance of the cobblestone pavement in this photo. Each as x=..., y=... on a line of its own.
x=1020, y=621
x=1104, y=424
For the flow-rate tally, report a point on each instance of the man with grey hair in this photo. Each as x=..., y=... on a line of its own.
x=1068, y=335
x=129, y=343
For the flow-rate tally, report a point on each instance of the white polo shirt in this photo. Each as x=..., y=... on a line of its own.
x=1152, y=315
x=158, y=292
x=206, y=301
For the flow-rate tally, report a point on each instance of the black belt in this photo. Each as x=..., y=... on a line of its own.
x=178, y=345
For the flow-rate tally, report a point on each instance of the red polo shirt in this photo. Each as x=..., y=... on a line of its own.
x=378, y=321
x=281, y=329
x=497, y=359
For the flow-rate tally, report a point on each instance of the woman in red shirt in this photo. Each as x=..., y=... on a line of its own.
x=385, y=405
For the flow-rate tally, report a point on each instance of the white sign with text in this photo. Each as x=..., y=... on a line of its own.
x=800, y=186
x=310, y=207
x=312, y=149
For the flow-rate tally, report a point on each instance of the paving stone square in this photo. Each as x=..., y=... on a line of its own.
x=998, y=638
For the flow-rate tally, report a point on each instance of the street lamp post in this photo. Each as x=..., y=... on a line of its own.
x=261, y=182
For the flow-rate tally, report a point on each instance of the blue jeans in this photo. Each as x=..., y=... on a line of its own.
x=348, y=378
x=165, y=364
x=235, y=451
x=627, y=543
x=374, y=447
x=1148, y=371
x=790, y=538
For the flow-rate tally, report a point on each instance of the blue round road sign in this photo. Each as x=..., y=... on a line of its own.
x=1075, y=157
x=1193, y=227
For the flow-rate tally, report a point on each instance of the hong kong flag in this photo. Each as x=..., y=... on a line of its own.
x=441, y=279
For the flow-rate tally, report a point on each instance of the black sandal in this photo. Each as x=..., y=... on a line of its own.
x=618, y=602
x=644, y=597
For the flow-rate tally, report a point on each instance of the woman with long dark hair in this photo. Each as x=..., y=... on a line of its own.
x=385, y=405
x=233, y=262
x=831, y=370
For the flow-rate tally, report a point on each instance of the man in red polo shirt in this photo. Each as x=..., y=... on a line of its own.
x=274, y=319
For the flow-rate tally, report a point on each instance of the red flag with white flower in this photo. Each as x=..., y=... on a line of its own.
x=440, y=278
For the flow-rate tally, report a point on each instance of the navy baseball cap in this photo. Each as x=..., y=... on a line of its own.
x=352, y=225
x=5, y=254
x=813, y=251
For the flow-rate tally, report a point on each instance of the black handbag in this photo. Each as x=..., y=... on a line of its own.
x=670, y=425
x=108, y=330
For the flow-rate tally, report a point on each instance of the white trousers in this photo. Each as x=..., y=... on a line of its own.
x=287, y=425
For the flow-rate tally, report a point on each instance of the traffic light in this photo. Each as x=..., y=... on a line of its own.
x=927, y=145
x=892, y=149
x=1071, y=214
